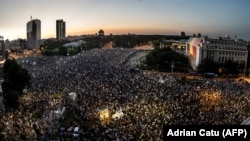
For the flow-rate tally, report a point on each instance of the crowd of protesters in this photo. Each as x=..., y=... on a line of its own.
x=99, y=79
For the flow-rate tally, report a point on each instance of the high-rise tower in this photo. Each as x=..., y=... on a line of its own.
x=33, y=33
x=2, y=50
x=60, y=29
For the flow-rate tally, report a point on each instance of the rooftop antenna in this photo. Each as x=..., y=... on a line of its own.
x=30, y=17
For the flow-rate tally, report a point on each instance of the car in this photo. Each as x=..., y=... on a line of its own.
x=76, y=131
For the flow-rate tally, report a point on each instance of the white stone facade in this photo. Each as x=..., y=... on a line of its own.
x=217, y=50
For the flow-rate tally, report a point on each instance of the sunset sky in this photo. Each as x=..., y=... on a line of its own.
x=208, y=17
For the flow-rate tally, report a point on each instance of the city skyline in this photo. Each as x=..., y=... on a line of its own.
x=168, y=17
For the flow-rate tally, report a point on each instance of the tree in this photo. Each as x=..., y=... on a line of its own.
x=231, y=67
x=161, y=58
x=55, y=51
x=16, y=79
x=208, y=66
x=199, y=34
x=183, y=34
x=12, y=99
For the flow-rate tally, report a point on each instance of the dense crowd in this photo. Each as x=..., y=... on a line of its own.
x=99, y=79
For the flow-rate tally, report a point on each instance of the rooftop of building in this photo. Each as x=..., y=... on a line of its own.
x=60, y=20
x=101, y=31
x=219, y=40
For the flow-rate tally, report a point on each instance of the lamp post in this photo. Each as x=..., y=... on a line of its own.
x=172, y=66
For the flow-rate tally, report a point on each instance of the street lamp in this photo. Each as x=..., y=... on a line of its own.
x=172, y=66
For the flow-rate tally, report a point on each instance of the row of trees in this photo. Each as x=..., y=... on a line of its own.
x=52, y=47
x=55, y=47
x=60, y=50
x=229, y=67
x=130, y=40
x=162, y=59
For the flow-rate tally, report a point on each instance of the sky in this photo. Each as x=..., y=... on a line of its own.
x=163, y=17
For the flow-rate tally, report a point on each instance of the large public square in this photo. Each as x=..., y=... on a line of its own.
x=101, y=79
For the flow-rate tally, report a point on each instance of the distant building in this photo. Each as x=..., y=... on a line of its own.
x=174, y=44
x=7, y=44
x=101, y=32
x=217, y=50
x=183, y=34
x=18, y=44
x=60, y=29
x=2, y=48
x=33, y=34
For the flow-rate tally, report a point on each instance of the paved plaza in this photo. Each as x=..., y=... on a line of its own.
x=140, y=103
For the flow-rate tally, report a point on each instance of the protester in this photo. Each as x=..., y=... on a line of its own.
x=100, y=78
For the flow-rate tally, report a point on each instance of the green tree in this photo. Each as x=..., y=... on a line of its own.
x=161, y=58
x=63, y=50
x=231, y=67
x=208, y=66
x=12, y=99
x=16, y=79
x=55, y=51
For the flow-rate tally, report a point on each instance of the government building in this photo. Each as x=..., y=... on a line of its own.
x=217, y=50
